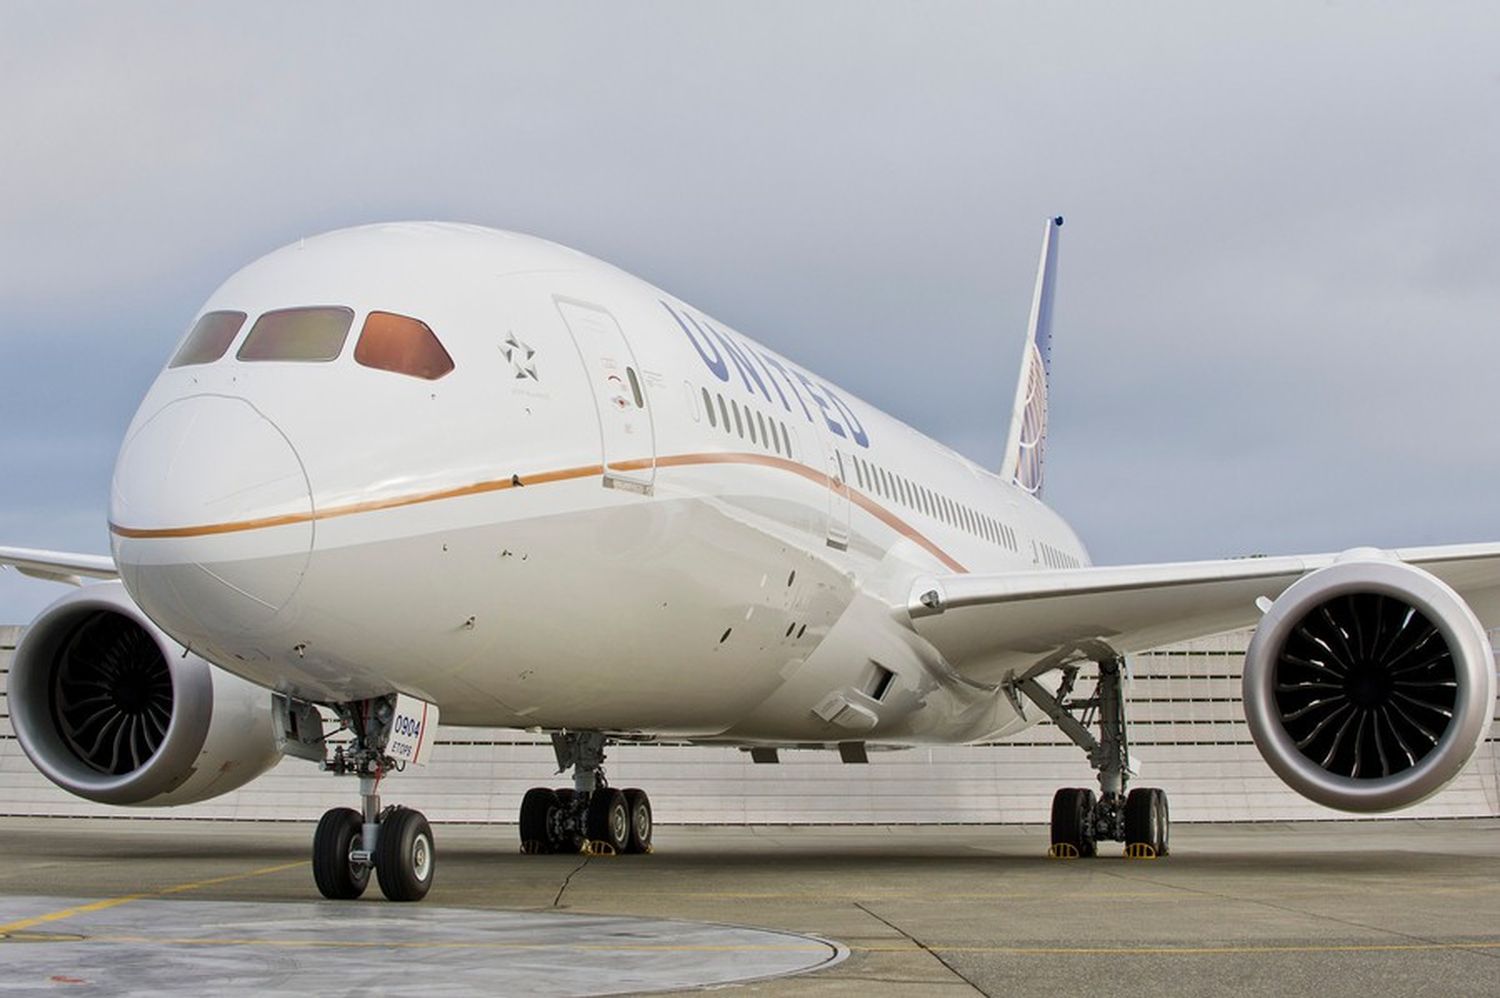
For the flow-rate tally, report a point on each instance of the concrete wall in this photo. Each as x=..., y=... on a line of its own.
x=1186, y=726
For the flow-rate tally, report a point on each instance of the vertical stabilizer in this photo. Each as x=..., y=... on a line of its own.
x=1028, y=419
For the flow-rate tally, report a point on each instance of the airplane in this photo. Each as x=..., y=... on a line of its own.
x=412, y=471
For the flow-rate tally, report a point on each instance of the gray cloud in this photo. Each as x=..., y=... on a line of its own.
x=1278, y=297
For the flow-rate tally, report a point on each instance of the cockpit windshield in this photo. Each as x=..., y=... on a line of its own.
x=209, y=339
x=298, y=334
x=397, y=343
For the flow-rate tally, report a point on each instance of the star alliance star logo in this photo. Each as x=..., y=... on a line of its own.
x=519, y=355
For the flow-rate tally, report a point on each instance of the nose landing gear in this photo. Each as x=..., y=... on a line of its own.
x=590, y=817
x=395, y=842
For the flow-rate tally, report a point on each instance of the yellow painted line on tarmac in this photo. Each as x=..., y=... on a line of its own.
x=84, y=909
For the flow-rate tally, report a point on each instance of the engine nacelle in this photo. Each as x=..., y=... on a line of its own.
x=109, y=708
x=1369, y=684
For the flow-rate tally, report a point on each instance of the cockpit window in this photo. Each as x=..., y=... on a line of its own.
x=391, y=342
x=209, y=339
x=303, y=334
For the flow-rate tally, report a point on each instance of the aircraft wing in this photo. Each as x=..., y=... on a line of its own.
x=992, y=627
x=59, y=566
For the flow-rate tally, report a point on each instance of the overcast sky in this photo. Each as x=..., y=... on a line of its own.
x=1280, y=278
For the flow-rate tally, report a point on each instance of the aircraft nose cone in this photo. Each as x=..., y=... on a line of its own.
x=210, y=516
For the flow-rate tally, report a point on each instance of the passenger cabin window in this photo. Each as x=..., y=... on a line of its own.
x=299, y=334
x=708, y=403
x=209, y=339
x=402, y=345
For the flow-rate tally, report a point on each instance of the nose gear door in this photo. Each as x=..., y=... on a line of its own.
x=627, y=439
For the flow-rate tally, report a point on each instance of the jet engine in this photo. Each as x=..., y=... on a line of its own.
x=110, y=708
x=1369, y=684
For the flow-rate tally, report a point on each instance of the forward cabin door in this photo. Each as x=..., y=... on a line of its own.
x=627, y=440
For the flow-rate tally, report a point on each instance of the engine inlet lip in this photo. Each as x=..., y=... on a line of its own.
x=1472, y=706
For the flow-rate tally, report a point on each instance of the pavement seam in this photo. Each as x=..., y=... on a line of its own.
x=923, y=947
x=557, y=901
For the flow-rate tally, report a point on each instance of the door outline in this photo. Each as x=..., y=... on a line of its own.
x=838, y=496
x=608, y=362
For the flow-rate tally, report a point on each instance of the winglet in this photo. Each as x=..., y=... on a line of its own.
x=1028, y=422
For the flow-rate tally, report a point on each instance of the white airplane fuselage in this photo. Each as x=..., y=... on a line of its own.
x=613, y=513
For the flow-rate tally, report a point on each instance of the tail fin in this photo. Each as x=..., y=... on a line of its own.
x=1028, y=421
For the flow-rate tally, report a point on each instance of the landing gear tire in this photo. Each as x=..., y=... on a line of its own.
x=1072, y=831
x=337, y=836
x=639, y=807
x=536, y=813
x=609, y=819
x=404, y=855
x=1146, y=822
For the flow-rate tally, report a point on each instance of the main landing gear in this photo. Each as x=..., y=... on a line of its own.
x=1080, y=820
x=394, y=841
x=589, y=817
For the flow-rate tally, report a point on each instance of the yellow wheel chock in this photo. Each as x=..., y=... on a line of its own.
x=1062, y=850
x=1140, y=850
x=596, y=847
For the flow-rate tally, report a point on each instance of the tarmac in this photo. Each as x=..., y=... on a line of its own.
x=119, y=906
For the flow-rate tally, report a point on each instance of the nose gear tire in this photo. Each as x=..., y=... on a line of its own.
x=404, y=855
x=337, y=835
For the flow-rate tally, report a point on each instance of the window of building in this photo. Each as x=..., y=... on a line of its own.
x=298, y=334
x=209, y=339
x=397, y=343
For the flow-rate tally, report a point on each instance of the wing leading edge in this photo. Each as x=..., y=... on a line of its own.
x=59, y=566
x=990, y=628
